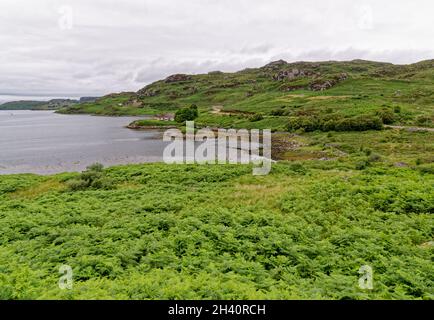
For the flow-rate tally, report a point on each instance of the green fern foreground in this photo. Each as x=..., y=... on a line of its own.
x=161, y=231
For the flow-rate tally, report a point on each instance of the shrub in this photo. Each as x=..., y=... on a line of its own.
x=278, y=112
x=423, y=120
x=256, y=117
x=374, y=158
x=77, y=184
x=298, y=167
x=92, y=178
x=329, y=125
x=359, y=123
x=293, y=124
x=103, y=183
x=186, y=114
x=96, y=167
x=386, y=115
x=360, y=165
x=428, y=169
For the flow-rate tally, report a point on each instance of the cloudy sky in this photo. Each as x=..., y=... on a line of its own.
x=94, y=47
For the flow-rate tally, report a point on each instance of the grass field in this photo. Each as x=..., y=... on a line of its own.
x=218, y=232
x=340, y=196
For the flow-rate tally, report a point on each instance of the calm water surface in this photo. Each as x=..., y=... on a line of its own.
x=44, y=142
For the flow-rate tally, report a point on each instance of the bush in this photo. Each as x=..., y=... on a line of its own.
x=386, y=115
x=358, y=123
x=256, y=117
x=103, y=183
x=186, y=114
x=278, y=112
x=96, y=167
x=329, y=125
x=360, y=165
x=293, y=124
x=374, y=158
x=423, y=120
x=77, y=184
x=92, y=178
x=298, y=167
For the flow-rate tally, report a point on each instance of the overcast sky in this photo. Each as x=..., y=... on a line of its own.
x=94, y=47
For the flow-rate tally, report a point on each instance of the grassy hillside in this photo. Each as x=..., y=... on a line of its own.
x=216, y=231
x=21, y=105
x=397, y=94
x=38, y=105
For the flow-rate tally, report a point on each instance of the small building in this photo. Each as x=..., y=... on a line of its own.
x=165, y=117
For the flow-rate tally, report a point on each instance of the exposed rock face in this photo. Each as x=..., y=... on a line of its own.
x=327, y=84
x=291, y=75
x=134, y=103
x=342, y=77
x=323, y=85
x=275, y=65
x=190, y=90
x=400, y=164
x=148, y=92
x=177, y=78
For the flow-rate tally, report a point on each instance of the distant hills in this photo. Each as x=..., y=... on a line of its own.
x=52, y=104
x=280, y=93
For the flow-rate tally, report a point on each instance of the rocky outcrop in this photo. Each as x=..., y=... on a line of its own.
x=293, y=74
x=177, y=78
x=322, y=85
x=275, y=65
x=134, y=103
x=148, y=92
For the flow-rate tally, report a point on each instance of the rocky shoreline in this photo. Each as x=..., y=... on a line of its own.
x=134, y=126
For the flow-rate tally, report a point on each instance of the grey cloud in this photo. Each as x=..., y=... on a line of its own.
x=123, y=45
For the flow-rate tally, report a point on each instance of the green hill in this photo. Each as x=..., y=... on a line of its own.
x=21, y=105
x=52, y=104
x=398, y=94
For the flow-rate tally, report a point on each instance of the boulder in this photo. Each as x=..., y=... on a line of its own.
x=177, y=78
x=275, y=65
x=148, y=92
x=292, y=74
x=321, y=85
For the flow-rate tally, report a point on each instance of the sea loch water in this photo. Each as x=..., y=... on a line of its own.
x=44, y=142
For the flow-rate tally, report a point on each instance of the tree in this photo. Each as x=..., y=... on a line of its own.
x=186, y=114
